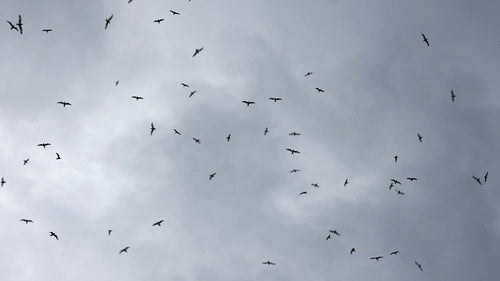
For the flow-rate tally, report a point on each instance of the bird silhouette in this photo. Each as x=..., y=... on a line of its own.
x=46, y=30
x=478, y=180
x=108, y=21
x=394, y=253
x=419, y=137
x=275, y=99
x=346, y=182
x=58, y=157
x=315, y=185
x=302, y=193
x=411, y=179
x=196, y=140
x=293, y=151
x=185, y=85
x=334, y=232
x=228, y=138
x=117, y=82
x=137, y=98
x=485, y=177
x=53, y=234
x=419, y=266
x=400, y=192
x=266, y=131
x=453, y=96
x=425, y=39
x=268, y=263
x=197, y=51
x=64, y=103
x=395, y=159
x=44, y=145
x=2, y=182
x=248, y=103
x=174, y=12
x=109, y=231
x=307, y=74
x=294, y=134
x=158, y=223
x=211, y=176
x=328, y=237
x=294, y=170
x=319, y=90
x=20, y=24
x=26, y=221
x=25, y=161
x=12, y=26
x=352, y=251
x=152, y=129
x=192, y=93
x=177, y=132
x=395, y=181
x=158, y=20
x=391, y=185
x=377, y=258
x=124, y=250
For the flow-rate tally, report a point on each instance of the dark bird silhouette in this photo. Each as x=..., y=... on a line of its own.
x=45, y=144
x=419, y=137
x=124, y=250
x=64, y=103
x=294, y=170
x=158, y=20
x=293, y=151
x=228, y=138
x=211, y=176
x=174, y=12
x=197, y=51
x=268, y=263
x=395, y=159
x=55, y=235
x=25, y=161
x=275, y=99
x=137, y=98
x=453, y=96
x=58, y=157
x=302, y=193
x=185, y=85
x=192, y=93
x=20, y=24
x=196, y=140
x=46, y=30
x=478, y=180
x=109, y=231
x=419, y=266
x=485, y=177
x=319, y=90
x=294, y=134
x=108, y=21
x=2, y=182
x=391, y=185
x=266, y=131
x=425, y=39
x=152, y=129
x=377, y=258
x=328, y=237
x=346, y=182
x=12, y=26
x=307, y=74
x=129, y=1
x=315, y=185
x=394, y=253
x=158, y=223
x=400, y=192
x=177, y=132
x=26, y=221
x=248, y=103
x=352, y=251
x=334, y=232
x=117, y=82
x=395, y=181
x=411, y=179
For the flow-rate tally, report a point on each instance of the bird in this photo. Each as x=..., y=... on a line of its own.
x=137, y=98
x=400, y=192
x=419, y=137
x=352, y=251
x=228, y=138
x=485, y=177
x=294, y=134
x=395, y=158
x=152, y=129
x=376, y=258
x=425, y=40
x=248, y=103
x=185, y=85
x=275, y=99
x=192, y=93
x=196, y=140
x=25, y=161
x=117, y=82
x=124, y=250
x=302, y=193
x=346, y=182
x=2, y=182
x=315, y=185
x=108, y=21
x=53, y=234
x=158, y=20
x=58, y=157
x=64, y=103
x=158, y=223
x=453, y=96
x=177, y=132
x=266, y=131
x=174, y=12
x=268, y=263
x=294, y=170
x=109, y=231
x=411, y=179
x=46, y=30
x=211, y=176
x=328, y=237
x=129, y=1
x=478, y=180
x=26, y=220
x=319, y=90
x=308, y=73
x=395, y=181
x=419, y=266
x=394, y=253
x=391, y=185
x=197, y=51
x=334, y=232
x=45, y=144
x=20, y=24
x=293, y=151
x=12, y=26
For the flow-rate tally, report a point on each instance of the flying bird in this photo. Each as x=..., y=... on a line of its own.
x=45, y=144
x=26, y=220
x=158, y=223
x=64, y=103
x=486, y=177
x=177, y=132
x=12, y=26
x=294, y=134
x=376, y=258
x=192, y=93
x=478, y=180
x=20, y=24
x=174, y=12
x=315, y=185
x=129, y=1
x=2, y=182
x=419, y=266
x=275, y=99
x=228, y=138
x=395, y=159
x=196, y=140
x=293, y=151
x=185, y=85
x=248, y=103
x=400, y=192
x=117, y=82
x=346, y=182
x=308, y=73
x=266, y=131
x=425, y=40
x=328, y=237
x=108, y=21
x=158, y=20
x=391, y=185
x=302, y=193
x=268, y=263
x=124, y=250
x=58, y=157
x=453, y=96
x=411, y=179
x=197, y=51
x=334, y=232
x=294, y=171
x=152, y=129
x=109, y=231
x=319, y=90
x=395, y=181
x=137, y=98
x=46, y=30
x=394, y=253
x=419, y=137
x=211, y=176
x=25, y=161
x=55, y=235
x=352, y=251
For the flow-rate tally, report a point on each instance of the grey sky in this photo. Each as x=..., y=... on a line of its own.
x=383, y=86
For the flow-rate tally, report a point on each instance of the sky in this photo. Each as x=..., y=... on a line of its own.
x=382, y=87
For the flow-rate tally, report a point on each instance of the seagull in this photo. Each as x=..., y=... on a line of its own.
x=268, y=263
x=302, y=193
x=152, y=128
x=307, y=74
x=395, y=159
x=25, y=161
x=211, y=176
x=47, y=30
x=395, y=181
x=124, y=250
x=293, y=151
x=334, y=232
x=129, y=1
x=391, y=185
x=419, y=266
x=53, y=234
x=137, y=98
x=12, y=26
x=108, y=21
x=478, y=180
x=453, y=96
x=64, y=103
x=319, y=90
x=2, y=182
x=116, y=83
x=376, y=258
x=486, y=177
x=266, y=131
x=248, y=103
x=185, y=85
x=394, y=253
x=20, y=24
x=400, y=192
x=294, y=134
x=158, y=223
x=328, y=237
x=158, y=20
x=275, y=99
x=425, y=40
x=109, y=231
x=315, y=185
x=43, y=144
x=294, y=171
x=174, y=12
x=228, y=137
x=58, y=157
x=192, y=93
x=197, y=51
x=411, y=179
x=177, y=132
x=346, y=182
x=26, y=220
x=352, y=251
x=419, y=137
x=196, y=140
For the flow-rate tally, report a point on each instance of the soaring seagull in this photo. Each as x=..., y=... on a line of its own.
x=20, y=24
x=425, y=39
x=158, y=223
x=64, y=103
x=197, y=51
x=453, y=96
x=26, y=220
x=124, y=250
x=55, y=235
x=108, y=21
x=152, y=128
x=12, y=26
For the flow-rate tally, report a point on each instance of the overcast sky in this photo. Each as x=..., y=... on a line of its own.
x=382, y=87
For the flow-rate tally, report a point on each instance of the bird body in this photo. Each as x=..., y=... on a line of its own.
x=108, y=21
x=12, y=26
x=478, y=180
x=158, y=20
x=174, y=12
x=53, y=234
x=137, y=98
x=293, y=151
x=308, y=73
x=64, y=103
x=453, y=96
x=275, y=99
x=26, y=220
x=411, y=179
x=197, y=51
x=196, y=140
x=394, y=253
x=419, y=266
x=294, y=170
x=266, y=131
x=294, y=134
x=2, y=182
x=419, y=137
x=25, y=161
x=395, y=181
x=346, y=182
x=228, y=138
x=177, y=132
x=158, y=223
x=44, y=145
x=153, y=128
x=319, y=90
x=248, y=103
x=124, y=250
x=352, y=250
x=268, y=263
x=58, y=157
x=20, y=24
x=211, y=176
x=376, y=258
x=425, y=40
x=47, y=30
